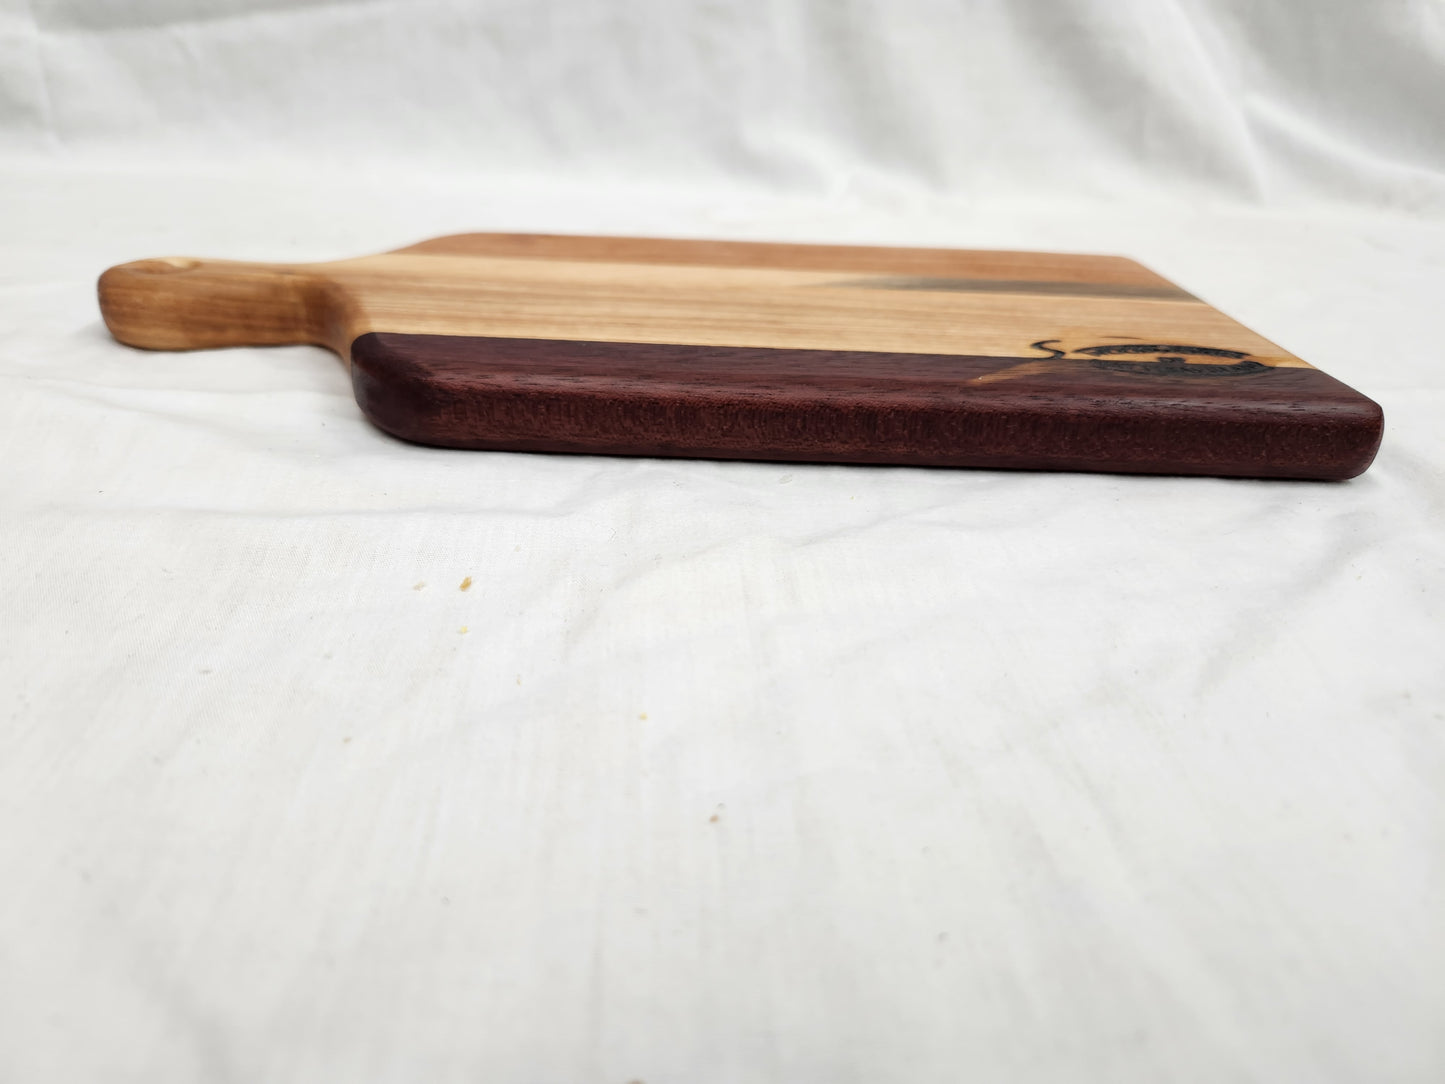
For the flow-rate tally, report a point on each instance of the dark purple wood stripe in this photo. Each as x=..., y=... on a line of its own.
x=542, y=395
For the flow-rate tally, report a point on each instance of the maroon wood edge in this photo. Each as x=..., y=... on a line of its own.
x=540, y=395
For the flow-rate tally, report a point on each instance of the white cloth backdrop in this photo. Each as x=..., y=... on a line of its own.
x=739, y=772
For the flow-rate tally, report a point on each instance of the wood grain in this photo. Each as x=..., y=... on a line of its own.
x=748, y=350
x=856, y=407
x=869, y=259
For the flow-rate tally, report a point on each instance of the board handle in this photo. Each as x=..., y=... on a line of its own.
x=178, y=303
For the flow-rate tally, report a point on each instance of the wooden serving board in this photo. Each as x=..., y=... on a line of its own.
x=632, y=346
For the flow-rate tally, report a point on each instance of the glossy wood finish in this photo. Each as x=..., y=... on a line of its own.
x=800, y=352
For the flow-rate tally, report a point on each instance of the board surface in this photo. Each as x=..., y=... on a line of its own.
x=818, y=353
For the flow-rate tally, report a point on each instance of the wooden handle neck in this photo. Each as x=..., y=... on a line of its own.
x=187, y=304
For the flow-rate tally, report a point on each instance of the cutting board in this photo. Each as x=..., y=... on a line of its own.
x=633, y=346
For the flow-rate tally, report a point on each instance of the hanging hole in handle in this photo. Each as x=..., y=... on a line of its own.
x=165, y=265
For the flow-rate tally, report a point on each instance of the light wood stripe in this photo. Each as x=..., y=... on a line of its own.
x=710, y=306
x=930, y=262
x=1024, y=286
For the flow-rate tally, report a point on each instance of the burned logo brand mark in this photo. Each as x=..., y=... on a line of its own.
x=1169, y=359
